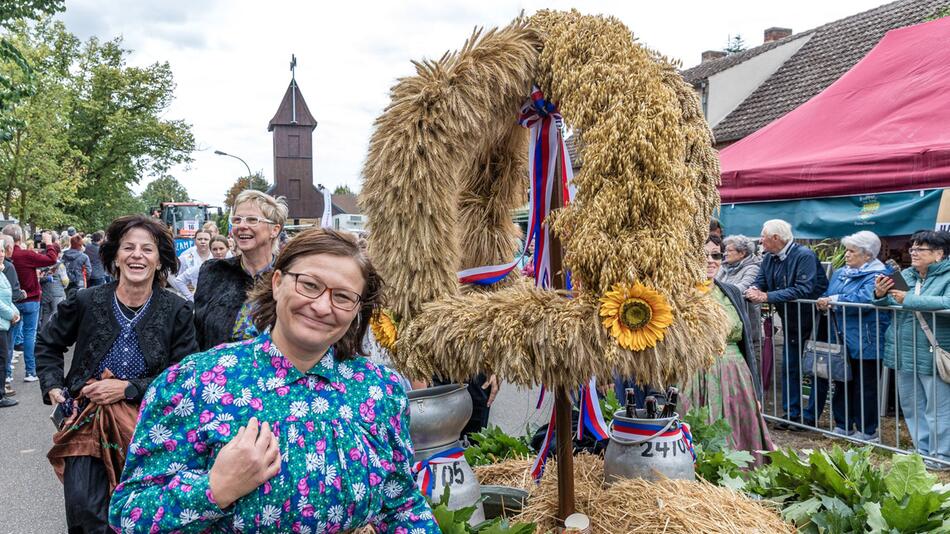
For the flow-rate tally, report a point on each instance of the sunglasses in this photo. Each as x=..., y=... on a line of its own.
x=715, y=256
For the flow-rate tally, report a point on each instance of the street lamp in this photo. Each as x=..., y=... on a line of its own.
x=220, y=153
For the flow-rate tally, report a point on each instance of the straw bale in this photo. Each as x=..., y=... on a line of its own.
x=515, y=473
x=640, y=506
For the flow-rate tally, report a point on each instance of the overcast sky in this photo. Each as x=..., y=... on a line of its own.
x=231, y=60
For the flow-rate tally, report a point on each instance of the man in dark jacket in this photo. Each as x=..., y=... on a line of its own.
x=97, y=275
x=789, y=272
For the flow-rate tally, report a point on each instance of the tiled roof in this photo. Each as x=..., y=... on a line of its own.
x=833, y=49
x=704, y=70
x=346, y=204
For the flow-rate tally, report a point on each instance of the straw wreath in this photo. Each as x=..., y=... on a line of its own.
x=446, y=167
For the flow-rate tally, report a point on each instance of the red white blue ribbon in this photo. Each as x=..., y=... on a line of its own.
x=538, y=468
x=590, y=416
x=545, y=144
x=425, y=479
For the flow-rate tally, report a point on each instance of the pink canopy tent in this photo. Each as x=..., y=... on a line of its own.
x=883, y=126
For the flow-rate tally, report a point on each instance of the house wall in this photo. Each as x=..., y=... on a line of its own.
x=727, y=89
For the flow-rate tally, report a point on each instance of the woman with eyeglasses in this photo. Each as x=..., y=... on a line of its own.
x=731, y=388
x=923, y=396
x=291, y=431
x=222, y=314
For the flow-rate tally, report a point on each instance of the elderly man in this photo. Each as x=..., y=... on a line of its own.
x=789, y=271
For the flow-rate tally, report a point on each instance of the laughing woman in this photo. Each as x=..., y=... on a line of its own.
x=123, y=334
x=221, y=311
x=290, y=431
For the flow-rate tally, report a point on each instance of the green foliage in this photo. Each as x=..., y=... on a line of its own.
x=164, y=189
x=16, y=74
x=609, y=405
x=830, y=250
x=456, y=521
x=255, y=181
x=343, y=190
x=842, y=491
x=492, y=445
x=734, y=44
x=715, y=462
x=90, y=129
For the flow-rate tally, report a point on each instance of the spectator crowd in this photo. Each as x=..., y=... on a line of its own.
x=242, y=343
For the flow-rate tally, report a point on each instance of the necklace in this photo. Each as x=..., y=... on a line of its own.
x=135, y=311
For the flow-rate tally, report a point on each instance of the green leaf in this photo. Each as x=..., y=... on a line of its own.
x=740, y=458
x=914, y=514
x=908, y=475
x=726, y=480
x=827, y=475
x=874, y=518
x=800, y=513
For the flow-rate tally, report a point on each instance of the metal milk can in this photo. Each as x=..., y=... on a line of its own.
x=437, y=416
x=648, y=448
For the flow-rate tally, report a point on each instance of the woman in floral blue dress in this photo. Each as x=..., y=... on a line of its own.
x=290, y=431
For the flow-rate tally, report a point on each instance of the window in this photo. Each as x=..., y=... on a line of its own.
x=293, y=147
x=294, y=193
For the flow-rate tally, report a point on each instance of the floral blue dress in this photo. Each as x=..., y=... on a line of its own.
x=344, y=440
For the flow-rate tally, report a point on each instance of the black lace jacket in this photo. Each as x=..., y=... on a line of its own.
x=166, y=335
x=221, y=290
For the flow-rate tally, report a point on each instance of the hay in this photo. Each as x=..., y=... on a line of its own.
x=639, y=506
x=513, y=473
x=446, y=167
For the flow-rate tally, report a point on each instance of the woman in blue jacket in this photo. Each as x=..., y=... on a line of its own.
x=854, y=404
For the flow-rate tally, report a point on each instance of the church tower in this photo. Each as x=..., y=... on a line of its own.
x=292, y=128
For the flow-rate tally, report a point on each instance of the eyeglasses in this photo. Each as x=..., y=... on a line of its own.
x=715, y=256
x=250, y=220
x=918, y=250
x=312, y=288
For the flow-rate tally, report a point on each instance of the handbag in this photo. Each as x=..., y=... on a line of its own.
x=941, y=356
x=826, y=360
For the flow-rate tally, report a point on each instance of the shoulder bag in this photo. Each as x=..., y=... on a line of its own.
x=941, y=356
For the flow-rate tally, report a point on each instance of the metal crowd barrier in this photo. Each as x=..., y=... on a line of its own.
x=897, y=430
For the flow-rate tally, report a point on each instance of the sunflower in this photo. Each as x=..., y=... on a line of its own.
x=384, y=329
x=635, y=315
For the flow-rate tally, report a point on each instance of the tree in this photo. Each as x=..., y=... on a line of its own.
x=90, y=128
x=164, y=189
x=734, y=45
x=343, y=190
x=117, y=127
x=254, y=181
x=12, y=91
x=39, y=171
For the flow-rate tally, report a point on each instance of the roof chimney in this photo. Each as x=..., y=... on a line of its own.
x=710, y=55
x=775, y=33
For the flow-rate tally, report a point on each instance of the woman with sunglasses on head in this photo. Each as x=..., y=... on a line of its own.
x=291, y=431
x=221, y=313
x=731, y=388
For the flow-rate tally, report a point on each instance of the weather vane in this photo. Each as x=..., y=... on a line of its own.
x=293, y=91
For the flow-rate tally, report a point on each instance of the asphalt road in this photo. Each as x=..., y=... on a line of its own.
x=31, y=497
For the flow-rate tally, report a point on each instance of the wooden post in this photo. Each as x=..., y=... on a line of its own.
x=562, y=400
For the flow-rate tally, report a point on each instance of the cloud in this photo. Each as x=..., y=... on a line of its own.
x=230, y=60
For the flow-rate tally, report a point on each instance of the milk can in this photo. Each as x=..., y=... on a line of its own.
x=651, y=449
x=436, y=418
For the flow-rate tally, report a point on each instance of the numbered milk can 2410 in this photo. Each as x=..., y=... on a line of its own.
x=648, y=448
x=436, y=418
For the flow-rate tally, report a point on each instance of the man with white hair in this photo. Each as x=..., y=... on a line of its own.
x=789, y=272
